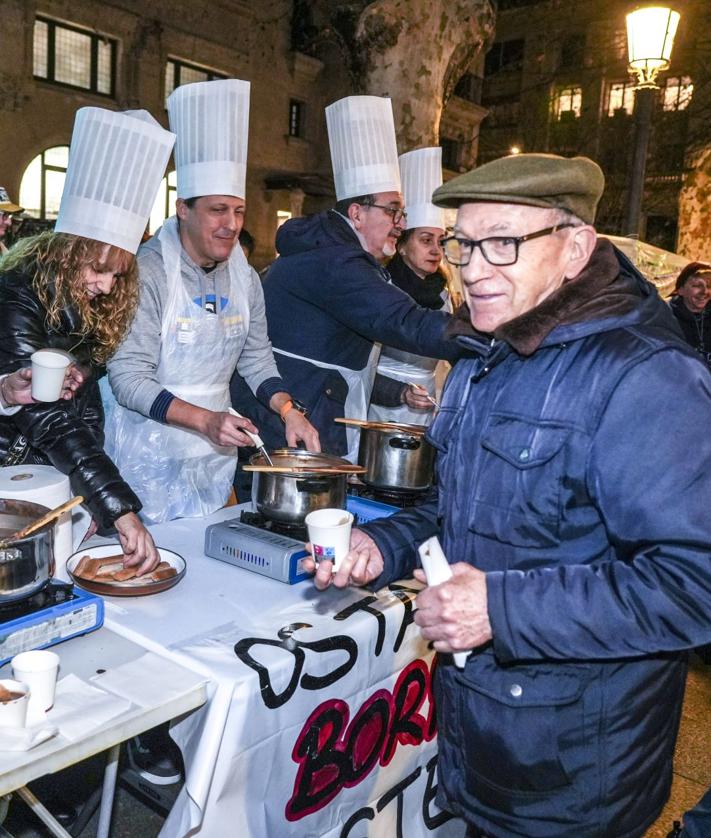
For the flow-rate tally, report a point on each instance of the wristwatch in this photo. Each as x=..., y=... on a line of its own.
x=287, y=406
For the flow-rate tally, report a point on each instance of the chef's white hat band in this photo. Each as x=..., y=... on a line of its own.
x=211, y=121
x=421, y=172
x=361, y=136
x=116, y=162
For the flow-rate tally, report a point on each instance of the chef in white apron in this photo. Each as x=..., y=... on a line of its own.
x=416, y=269
x=201, y=316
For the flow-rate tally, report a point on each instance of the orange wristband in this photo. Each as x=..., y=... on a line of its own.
x=285, y=408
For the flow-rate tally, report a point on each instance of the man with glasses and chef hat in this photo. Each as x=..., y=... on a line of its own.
x=201, y=316
x=328, y=299
x=575, y=524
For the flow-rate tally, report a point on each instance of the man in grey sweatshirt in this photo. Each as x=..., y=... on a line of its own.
x=200, y=316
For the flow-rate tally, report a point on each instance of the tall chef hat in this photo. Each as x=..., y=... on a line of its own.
x=361, y=134
x=116, y=162
x=421, y=172
x=211, y=121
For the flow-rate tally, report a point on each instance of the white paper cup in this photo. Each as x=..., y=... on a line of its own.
x=37, y=669
x=330, y=534
x=14, y=713
x=48, y=369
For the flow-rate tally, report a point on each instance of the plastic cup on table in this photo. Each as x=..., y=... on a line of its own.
x=38, y=670
x=48, y=369
x=330, y=534
x=14, y=700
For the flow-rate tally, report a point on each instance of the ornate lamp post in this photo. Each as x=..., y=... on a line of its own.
x=650, y=37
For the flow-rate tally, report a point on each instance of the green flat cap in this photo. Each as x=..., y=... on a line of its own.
x=537, y=180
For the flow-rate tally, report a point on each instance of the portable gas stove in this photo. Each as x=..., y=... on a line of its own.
x=54, y=614
x=265, y=546
x=400, y=498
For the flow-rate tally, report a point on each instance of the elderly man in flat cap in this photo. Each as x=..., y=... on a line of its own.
x=575, y=524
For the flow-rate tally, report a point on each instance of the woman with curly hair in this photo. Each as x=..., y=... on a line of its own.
x=76, y=290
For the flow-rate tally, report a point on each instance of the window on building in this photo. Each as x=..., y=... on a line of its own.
x=567, y=103
x=676, y=93
x=572, y=52
x=506, y=56
x=620, y=98
x=469, y=87
x=450, y=153
x=179, y=72
x=296, y=118
x=43, y=181
x=74, y=57
x=164, y=204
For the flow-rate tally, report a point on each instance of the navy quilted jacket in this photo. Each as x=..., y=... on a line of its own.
x=578, y=478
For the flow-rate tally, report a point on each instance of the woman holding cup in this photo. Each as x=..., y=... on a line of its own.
x=74, y=291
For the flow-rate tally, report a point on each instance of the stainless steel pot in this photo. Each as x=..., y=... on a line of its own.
x=28, y=564
x=396, y=459
x=288, y=498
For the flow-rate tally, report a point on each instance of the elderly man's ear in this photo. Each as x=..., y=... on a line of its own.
x=582, y=243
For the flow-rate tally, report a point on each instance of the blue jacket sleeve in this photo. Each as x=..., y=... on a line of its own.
x=399, y=536
x=649, y=473
x=356, y=293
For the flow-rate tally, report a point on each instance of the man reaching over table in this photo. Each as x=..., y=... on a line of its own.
x=575, y=523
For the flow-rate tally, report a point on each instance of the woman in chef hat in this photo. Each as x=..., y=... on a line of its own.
x=75, y=290
x=417, y=270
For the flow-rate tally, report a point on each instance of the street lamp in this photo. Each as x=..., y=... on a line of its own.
x=650, y=37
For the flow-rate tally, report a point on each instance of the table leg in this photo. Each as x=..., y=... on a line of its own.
x=43, y=814
x=107, y=796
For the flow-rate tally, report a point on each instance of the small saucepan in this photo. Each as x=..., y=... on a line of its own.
x=26, y=564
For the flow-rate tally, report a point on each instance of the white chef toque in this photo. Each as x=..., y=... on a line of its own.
x=116, y=162
x=421, y=172
x=211, y=121
x=361, y=135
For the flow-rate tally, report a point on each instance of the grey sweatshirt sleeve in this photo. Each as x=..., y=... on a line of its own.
x=256, y=362
x=132, y=370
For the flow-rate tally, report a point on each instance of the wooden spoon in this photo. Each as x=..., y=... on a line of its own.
x=382, y=426
x=40, y=522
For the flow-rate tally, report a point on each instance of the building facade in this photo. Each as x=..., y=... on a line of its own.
x=556, y=80
x=58, y=56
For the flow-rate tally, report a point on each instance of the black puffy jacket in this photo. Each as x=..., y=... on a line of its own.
x=65, y=434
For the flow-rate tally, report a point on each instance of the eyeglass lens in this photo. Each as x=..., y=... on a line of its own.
x=496, y=250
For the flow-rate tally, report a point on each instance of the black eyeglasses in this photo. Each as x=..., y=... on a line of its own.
x=396, y=213
x=497, y=250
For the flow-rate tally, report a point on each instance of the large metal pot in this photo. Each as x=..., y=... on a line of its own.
x=25, y=565
x=288, y=498
x=396, y=457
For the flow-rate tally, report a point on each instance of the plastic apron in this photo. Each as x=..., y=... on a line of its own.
x=178, y=473
x=412, y=369
x=360, y=386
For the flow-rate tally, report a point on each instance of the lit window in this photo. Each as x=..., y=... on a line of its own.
x=164, y=204
x=676, y=93
x=74, y=57
x=567, y=103
x=282, y=216
x=179, y=72
x=43, y=181
x=621, y=98
x=296, y=118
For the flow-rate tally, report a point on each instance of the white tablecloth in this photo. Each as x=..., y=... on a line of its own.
x=319, y=723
